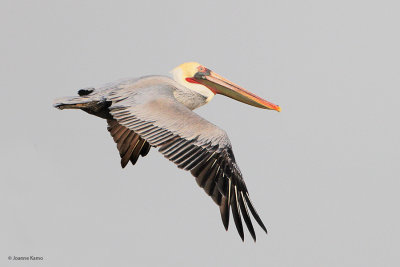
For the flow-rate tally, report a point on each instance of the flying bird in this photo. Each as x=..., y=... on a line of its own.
x=156, y=111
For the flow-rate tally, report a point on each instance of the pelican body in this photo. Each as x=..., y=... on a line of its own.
x=156, y=111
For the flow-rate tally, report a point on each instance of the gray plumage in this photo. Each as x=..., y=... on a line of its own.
x=156, y=111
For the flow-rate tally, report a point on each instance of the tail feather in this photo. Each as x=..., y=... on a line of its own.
x=75, y=102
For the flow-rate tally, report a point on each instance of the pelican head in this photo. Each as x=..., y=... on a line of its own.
x=204, y=81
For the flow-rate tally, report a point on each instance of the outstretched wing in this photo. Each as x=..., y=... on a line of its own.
x=192, y=143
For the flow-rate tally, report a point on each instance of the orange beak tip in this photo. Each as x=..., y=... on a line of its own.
x=278, y=108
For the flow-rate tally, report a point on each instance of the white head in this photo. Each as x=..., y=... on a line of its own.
x=184, y=72
x=198, y=78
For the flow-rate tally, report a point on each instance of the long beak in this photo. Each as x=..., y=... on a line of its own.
x=220, y=85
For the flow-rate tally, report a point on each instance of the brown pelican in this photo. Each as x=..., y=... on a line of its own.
x=156, y=111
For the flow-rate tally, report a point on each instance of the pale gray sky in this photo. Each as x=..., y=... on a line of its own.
x=323, y=173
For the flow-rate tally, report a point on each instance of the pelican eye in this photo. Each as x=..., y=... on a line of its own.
x=201, y=68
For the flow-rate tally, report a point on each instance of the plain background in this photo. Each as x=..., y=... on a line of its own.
x=323, y=173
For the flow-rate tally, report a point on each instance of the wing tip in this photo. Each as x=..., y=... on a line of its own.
x=123, y=163
x=224, y=210
x=254, y=212
x=236, y=212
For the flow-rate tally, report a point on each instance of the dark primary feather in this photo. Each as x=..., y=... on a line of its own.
x=189, y=141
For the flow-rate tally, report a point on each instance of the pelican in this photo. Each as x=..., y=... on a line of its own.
x=157, y=111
